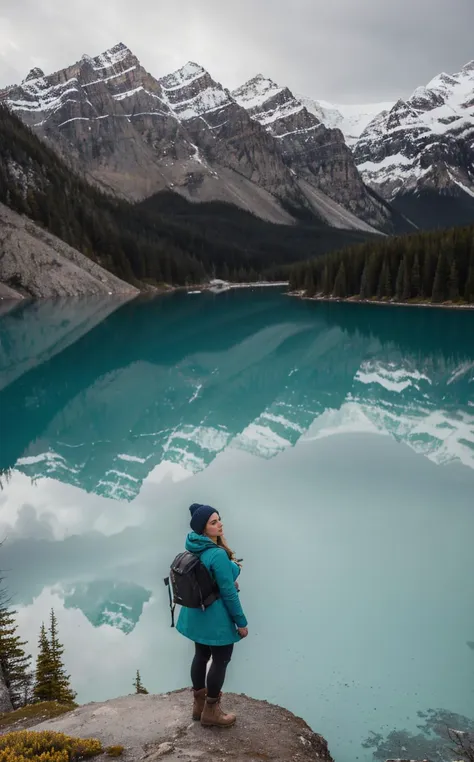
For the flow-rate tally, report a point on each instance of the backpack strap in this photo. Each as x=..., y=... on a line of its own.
x=172, y=606
x=211, y=598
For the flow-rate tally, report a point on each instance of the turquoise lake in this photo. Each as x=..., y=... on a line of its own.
x=337, y=442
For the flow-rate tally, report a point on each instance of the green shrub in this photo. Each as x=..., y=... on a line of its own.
x=114, y=751
x=46, y=746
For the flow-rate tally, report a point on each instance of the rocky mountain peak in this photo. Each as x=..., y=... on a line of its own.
x=34, y=73
x=316, y=155
x=118, y=59
x=425, y=145
x=424, y=98
x=183, y=77
x=255, y=92
x=113, y=57
x=190, y=92
x=136, y=134
x=269, y=103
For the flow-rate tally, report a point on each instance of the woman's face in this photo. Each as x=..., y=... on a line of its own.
x=214, y=527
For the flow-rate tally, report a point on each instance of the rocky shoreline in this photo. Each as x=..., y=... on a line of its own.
x=37, y=264
x=389, y=303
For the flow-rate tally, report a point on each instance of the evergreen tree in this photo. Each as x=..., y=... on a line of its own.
x=469, y=290
x=62, y=691
x=429, y=268
x=406, y=289
x=340, y=284
x=453, y=284
x=416, y=278
x=325, y=285
x=14, y=661
x=139, y=688
x=439, y=285
x=384, y=289
x=369, y=279
x=445, y=257
x=365, y=292
x=309, y=286
x=43, y=686
x=400, y=280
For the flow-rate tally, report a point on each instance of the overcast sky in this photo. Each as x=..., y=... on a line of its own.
x=346, y=51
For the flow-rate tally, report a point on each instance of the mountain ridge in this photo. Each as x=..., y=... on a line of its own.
x=315, y=153
x=137, y=135
x=421, y=151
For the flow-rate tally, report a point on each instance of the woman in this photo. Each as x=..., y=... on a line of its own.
x=216, y=629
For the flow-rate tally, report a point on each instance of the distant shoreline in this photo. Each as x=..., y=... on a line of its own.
x=354, y=300
x=219, y=287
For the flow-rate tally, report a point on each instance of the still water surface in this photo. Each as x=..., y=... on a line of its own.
x=336, y=440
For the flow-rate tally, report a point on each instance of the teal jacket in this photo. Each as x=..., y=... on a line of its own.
x=217, y=625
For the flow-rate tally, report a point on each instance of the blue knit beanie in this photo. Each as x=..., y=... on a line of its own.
x=200, y=515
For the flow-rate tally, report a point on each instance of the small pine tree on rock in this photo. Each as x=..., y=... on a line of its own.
x=139, y=688
x=43, y=687
x=51, y=681
x=14, y=661
x=62, y=691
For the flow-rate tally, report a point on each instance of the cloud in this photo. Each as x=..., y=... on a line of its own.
x=26, y=510
x=341, y=51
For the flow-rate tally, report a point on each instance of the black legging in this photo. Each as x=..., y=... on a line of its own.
x=221, y=656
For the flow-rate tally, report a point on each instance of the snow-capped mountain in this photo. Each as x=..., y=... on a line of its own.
x=136, y=134
x=350, y=119
x=318, y=156
x=420, y=153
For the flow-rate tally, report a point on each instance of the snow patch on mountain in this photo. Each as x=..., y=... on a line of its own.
x=350, y=119
x=190, y=93
x=182, y=77
x=112, y=57
x=210, y=99
x=267, y=102
x=423, y=140
x=254, y=93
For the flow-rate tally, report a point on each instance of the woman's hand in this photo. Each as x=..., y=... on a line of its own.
x=236, y=585
x=243, y=631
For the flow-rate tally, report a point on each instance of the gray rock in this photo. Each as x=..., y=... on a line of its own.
x=36, y=263
x=9, y=293
x=160, y=727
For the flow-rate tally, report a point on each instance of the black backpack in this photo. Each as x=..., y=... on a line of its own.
x=191, y=583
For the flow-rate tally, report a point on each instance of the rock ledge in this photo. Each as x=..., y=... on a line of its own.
x=160, y=727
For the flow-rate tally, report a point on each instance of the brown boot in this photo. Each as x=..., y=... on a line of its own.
x=213, y=714
x=199, y=701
